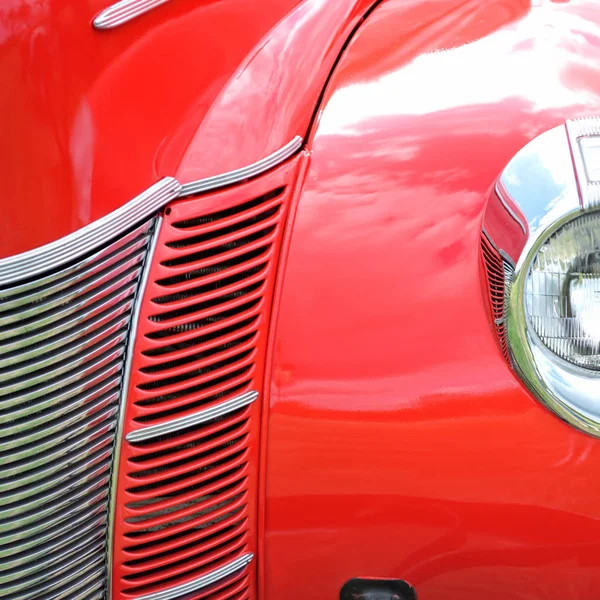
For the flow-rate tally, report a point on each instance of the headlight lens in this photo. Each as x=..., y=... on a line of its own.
x=562, y=292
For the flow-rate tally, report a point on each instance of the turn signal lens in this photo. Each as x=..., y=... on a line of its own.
x=562, y=292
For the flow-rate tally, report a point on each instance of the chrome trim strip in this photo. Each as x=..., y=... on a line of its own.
x=582, y=133
x=194, y=419
x=53, y=255
x=123, y=403
x=122, y=12
x=509, y=210
x=218, y=181
x=201, y=582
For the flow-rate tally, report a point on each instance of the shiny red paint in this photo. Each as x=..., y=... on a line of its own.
x=186, y=503
x=193, y=88
x=400, y=443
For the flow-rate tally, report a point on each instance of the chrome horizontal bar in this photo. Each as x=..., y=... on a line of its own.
x=196, y=418
x=218, y=181
x=53, y=255
x=201, y=582
x=122, y=12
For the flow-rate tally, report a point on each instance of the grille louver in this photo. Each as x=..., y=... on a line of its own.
x=63, y=340
x=499, y=277
x=188, y=472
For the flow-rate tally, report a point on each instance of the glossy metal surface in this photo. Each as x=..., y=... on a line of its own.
x=57, y=253
x=124, y=11
x=239, y=175
x=62, y=349
x=192, y=89
x=220, y=410
x=400, y=443
x=543, y=183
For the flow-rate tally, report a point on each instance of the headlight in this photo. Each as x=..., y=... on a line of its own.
x=543, y=222
x=562, y=292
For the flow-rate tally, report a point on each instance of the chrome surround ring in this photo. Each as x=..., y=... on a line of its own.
x=544, y=187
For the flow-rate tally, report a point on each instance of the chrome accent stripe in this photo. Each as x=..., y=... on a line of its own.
x=123, y=11
x=218, y=181
x=54, y=255
x=196, y=418
x=509, y=210
x=123, y=402
x=201, y=582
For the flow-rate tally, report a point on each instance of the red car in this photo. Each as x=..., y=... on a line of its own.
x=300, y=299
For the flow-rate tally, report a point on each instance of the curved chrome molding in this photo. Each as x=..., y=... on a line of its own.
x=208, y=579
x=218, y=181
x=194, y=419
x=135, y=315
x=551, y=181
x=124, y=11
x=26, y=265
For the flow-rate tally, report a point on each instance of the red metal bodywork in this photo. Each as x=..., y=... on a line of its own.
x=191, y=89
x=400, y=444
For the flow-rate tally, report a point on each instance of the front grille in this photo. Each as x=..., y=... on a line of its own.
x=188, y=472
x=63, y=340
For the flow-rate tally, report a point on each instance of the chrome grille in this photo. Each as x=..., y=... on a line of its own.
x=63, y=341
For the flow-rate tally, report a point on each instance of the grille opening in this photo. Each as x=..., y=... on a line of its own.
x=196, y=561
x=81, y=420
x=73, y=277
x=115, y=326
x=202, y=306
x=229, y=212
x=96, y=398
x=72, y=450
x=24, y=505
x=226, y=231
x=200, y=355
x=232, y=588
x=192, y=391
x=194, y=458
x=221, y=249
x=216, y=268
x=196, y=505
x=205, y=470
x=211, y=287
x=227, y=531
x=196, y=429
x=234, y=476
x=195, y=531
x=60, y=536
x=10, y=417
x=62, y=381
x=205, y=515
x=64, y=328
x=200, y=340
x=175, y=580
x=96, y=295
x=36, y=280
x=153, y=385
x=204, y=322
x=61, y=368
x=83, y=288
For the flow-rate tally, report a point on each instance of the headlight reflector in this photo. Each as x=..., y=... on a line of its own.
x=562, y=292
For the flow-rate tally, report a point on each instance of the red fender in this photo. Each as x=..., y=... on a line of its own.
x=400, y=444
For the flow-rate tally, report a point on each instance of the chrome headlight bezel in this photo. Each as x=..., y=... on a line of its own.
x=545, y=187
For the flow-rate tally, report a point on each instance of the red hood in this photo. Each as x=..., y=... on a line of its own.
x=191, y=89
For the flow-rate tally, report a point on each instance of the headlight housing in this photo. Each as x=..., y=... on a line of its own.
x=543, y=221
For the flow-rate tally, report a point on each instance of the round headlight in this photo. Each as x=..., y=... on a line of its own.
x=543, y=226
x=562, y=292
